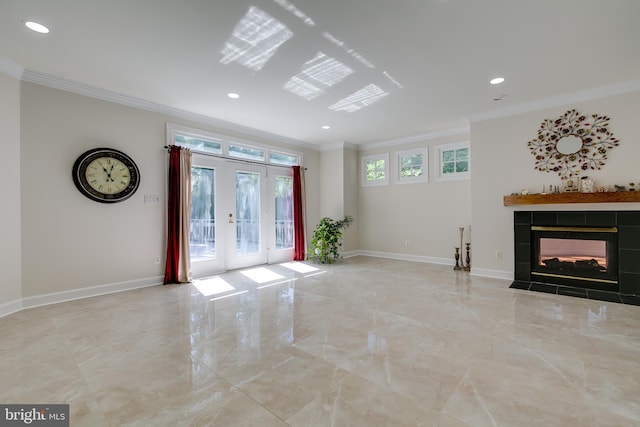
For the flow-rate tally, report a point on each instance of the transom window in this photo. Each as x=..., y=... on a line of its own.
x=454, y=161
x=283, y=159
x=197, y=144
x=219, y=145
x=243, y=152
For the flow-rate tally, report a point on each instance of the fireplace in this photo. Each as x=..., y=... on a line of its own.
x=579, y=253
x=575, y=256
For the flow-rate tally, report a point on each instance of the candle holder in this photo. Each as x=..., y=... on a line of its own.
x=458, y=254
x=468, y=266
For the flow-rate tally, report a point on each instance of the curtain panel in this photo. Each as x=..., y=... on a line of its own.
x=299, y=215
x=177, y=268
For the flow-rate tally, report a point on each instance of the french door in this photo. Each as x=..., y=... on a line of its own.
x=241, y=215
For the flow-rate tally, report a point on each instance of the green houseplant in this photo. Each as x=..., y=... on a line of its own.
x=327, y=239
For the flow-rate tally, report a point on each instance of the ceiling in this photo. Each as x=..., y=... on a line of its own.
x=373, y=70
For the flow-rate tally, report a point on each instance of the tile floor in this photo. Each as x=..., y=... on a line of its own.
x=366, y=342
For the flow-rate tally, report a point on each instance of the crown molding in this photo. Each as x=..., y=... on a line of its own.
x=11, y=68
x=557, y=101
x=462, y=132
x=117, y=98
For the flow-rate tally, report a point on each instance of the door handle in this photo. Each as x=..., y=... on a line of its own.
x=230, y=218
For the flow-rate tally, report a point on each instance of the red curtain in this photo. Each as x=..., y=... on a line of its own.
x=173, y=218
x=299, y=249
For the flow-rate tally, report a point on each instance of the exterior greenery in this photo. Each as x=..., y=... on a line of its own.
x=455, y=160
x=411, y=165
x=375, y=170
x=327, y=240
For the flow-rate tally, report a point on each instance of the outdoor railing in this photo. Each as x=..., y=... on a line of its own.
x=203, y=232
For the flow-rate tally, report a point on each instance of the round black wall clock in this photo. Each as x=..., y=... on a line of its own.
x=106, y=175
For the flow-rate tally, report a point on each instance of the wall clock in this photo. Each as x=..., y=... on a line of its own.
x=106, y=175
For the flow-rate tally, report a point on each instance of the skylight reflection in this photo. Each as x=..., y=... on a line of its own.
x=262, y=275
x=360, y=99
x=323, y=70
x=296, y=12
x=255, y=39
x=326, y=70
x=303, y=88
x=347, y=49
x=392, y=80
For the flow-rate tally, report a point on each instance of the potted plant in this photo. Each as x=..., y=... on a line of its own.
x=327, y=239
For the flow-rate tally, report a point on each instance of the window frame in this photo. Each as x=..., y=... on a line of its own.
x=425, y=166
x=363, y=170
x=453, y=176
x=226, y=141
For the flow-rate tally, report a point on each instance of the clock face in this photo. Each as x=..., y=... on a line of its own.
x=106, y=175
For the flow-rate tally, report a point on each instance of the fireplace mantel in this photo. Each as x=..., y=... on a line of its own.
x=547, y=199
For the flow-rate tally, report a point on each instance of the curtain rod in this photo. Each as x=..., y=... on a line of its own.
x=232, y=159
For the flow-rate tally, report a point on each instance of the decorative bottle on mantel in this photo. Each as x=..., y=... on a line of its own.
x=587, y=185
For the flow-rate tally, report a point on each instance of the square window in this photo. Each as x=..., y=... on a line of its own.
x=412, y=166
x=375, y=170
x=454, y=161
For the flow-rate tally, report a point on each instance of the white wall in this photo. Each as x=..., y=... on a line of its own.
x=332, y=189
x=11, y=247
x=502, y=164
x=351, y=241
x=70, y=242
x=427, y=215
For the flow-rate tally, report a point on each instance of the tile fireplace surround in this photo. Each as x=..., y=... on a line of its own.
x=626, y=291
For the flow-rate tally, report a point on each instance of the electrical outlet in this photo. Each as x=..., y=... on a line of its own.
x=406, y=242
x=157, y=259
x=499, y=255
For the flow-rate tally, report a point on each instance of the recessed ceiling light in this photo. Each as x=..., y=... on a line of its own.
x=496, y=81
x=38, y=28
x=233, y=95
x=325, y=127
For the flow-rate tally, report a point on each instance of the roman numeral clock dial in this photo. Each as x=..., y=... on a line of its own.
x=106, y=175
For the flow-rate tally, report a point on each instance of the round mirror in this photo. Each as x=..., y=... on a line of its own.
x=570, y=144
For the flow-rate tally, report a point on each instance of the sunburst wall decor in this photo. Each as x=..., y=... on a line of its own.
x=572, y=143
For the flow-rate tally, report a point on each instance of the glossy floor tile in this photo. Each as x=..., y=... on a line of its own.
x=365, y=342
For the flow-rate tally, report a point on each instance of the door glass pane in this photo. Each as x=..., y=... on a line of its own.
x=202, y=235
x=247, y=213
x=284, y=212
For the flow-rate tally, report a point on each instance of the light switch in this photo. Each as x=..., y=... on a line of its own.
x=151, y=198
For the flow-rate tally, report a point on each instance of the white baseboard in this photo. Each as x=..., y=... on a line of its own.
x=10, y=307
x=401, y=257
x=494, y=274
x=93, y=291
x=482, y=272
